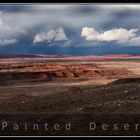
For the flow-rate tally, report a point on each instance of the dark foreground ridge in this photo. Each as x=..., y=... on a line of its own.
x=111, y=98
x=110, y=104
x=126, y=81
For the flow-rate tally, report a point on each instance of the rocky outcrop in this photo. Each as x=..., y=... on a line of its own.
x=103, y=72
x=50, y=75
x=64, y=74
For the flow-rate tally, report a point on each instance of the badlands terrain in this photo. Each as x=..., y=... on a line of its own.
x=61, y=84
x=32, y=85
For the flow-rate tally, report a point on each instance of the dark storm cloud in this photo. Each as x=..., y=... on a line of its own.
x=127, y=18
x=125, y=13
x=52, y=9
x=84, y=10
x=14, y=8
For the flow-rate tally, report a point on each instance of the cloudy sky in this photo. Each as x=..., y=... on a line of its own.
x=83, y=29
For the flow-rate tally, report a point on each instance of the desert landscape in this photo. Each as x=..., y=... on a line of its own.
x=69, y=64
x=72, y=85
x=69, y=84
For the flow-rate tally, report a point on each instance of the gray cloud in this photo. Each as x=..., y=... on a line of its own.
x=8, y=34
x=8, y=42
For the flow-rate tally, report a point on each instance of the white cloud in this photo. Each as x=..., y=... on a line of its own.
x=120, y=35
x=134, y=41
x=51, y=35
x=8, y=41
x=8, y=34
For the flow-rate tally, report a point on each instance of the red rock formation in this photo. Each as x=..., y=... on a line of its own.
x=49, y=75
x=103, y=72
x=64, y=74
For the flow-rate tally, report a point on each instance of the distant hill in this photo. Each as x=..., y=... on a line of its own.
x=18, y=55
x=28, y=56
x=118, y=55
x=68, y=56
